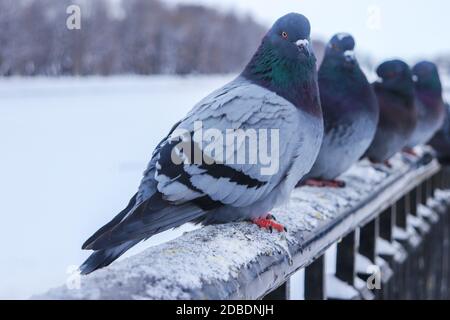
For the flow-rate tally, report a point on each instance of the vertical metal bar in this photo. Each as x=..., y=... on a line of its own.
x=402, y=208
x=345, y=259
x=280, y=293
x=400, y=269
x=446, y=257
x=418, y=195
x=417, y=275
x=413, y=201
x=386, y=229
x=439, y=178
x=368, y=244
x=445, y=179
x=432, y=184
x=424, y=193
x=386, y=224
x=368, y=240
x=315, y=280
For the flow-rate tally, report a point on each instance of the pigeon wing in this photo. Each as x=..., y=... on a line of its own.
x=239, y=112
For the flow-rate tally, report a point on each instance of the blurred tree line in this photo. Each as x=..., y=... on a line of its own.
x=117, y=37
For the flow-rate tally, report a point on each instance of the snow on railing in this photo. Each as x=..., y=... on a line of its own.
x=374, y=220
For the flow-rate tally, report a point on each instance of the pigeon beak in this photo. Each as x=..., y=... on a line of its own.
x=350, y=56
x=304, y=46
x=415, y=78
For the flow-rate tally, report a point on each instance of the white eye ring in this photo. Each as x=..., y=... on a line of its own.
x=284, y=34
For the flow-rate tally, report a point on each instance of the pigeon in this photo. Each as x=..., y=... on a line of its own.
x=441, y=140
x=350, y=111
x=429, y=104
x=398, y=115
x=186, y=181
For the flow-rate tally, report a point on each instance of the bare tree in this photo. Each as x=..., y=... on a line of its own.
x=147, y=38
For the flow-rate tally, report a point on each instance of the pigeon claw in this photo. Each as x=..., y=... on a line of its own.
x=325, y=183
x=387, y=164
x=411, y=152
x=269, y=223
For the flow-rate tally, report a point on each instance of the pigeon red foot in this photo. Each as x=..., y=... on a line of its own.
x=269, y=222
x=410, y=151
x=387, y=164
x=325, y=183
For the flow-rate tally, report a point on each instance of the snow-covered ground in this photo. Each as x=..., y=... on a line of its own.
x=72, y=153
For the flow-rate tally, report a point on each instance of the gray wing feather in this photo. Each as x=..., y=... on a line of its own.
x=238, y=105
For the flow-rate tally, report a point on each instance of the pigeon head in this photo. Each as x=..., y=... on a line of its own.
x=285, y=61
x=285, y=54
x=396, y=75
x=426, y=76
x=342, y=47
x=289, y=37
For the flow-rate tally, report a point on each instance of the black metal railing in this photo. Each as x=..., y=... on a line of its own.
x=389, y=228
x=420, y=255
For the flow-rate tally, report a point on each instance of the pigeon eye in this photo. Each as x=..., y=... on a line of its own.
x=391, y=74
x=284, y=34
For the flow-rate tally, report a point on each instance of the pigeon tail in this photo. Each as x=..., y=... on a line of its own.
x=88, y=243
x=105, y=257
x=137, y=222
x=153, y=216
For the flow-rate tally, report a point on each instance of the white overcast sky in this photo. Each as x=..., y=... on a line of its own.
x=409, y=29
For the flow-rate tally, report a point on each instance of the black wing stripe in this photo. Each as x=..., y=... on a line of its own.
x=219, y=170
x=214, y=169
x=172, y=170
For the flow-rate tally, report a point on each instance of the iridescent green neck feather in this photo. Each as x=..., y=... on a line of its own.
x=295, y=79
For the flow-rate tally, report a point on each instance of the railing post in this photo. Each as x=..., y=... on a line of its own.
x=368, y=235
x=315, y=280
x=441, y=179
x=430, y=191
x=434, y=184
x=386, y=223
x=400, y=266
x=445, y=179
x=420, y=255
x=345, y=259
x=368, y=240
x=446, y=257
x=424, y=193
x=402, y=208
x=413, y=201
x=280, y=293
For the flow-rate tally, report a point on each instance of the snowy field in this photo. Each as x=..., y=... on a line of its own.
x=72, y=154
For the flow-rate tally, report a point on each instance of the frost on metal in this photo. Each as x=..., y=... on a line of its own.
x=239, y=260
